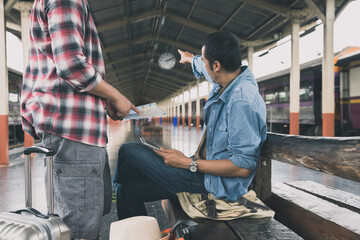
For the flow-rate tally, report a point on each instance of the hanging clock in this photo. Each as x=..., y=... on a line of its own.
x=167, y=60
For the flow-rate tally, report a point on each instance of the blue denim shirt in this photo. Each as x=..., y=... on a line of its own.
x=236, y=129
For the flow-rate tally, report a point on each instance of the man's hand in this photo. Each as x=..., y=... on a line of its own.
x=120, y=108
x=174, y=158
x=186, y=57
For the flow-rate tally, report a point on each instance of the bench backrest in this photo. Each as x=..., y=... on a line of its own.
x=339, y=156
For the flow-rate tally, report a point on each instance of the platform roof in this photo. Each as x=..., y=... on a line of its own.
x=134, y=33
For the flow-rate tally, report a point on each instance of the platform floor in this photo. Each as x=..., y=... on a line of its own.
x=181, y=138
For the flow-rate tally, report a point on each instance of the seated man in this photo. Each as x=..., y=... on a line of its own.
x=235, y=116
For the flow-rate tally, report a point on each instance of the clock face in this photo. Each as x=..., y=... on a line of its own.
x=167, y=60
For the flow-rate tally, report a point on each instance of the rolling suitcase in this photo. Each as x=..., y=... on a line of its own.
x=29, y=223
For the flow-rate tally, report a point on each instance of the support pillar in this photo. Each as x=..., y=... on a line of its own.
x=172, y=109
x=178, y=109
x=197, y=104
x=328, y=89
x=168, y=110
x=25, y=9
x=250, y=58
x=183, y=109
x=189, y=108
x=295, y=79
x=4, y=92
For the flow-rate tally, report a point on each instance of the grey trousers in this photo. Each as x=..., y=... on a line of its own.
x=82, y=184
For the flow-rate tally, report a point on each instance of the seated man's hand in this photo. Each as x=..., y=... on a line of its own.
x=174, y=158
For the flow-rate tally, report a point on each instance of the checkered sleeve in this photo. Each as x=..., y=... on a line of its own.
x=67, y=34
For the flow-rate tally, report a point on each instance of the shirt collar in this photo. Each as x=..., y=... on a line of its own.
x=245, y=73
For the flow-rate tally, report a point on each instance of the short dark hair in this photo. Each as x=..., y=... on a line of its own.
x=225, y=48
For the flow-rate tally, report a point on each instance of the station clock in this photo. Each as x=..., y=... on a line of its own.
x=167, y=60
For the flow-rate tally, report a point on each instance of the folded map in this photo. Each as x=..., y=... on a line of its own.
x=147, y=110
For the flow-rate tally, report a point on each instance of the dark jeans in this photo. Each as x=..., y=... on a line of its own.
x=142, y=176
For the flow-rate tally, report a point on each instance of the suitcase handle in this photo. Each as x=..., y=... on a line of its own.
x=32, y=211
x=36, y=149
x=49, y=176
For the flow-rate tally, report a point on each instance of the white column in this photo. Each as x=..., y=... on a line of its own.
x=328, y=99
x=4, y=92
x=295, y=79
x=189, y=107
x=183, y=108
x=250, y=58
x=178, y=107
x=168, y=105
x=25, y=9
x=197, y=104
x=172, y=107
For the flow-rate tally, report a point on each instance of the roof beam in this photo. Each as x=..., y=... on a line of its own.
x=232, y=16
x=123, y=21
x=170, y=77
x=166, y=79
x=179, y=45
x=129, y=66
x=171, y=89
x=9, y=5
x=126, y=84
x=125, y=43
x=316, y=10
x=122, y=60
x=160, y=88
x=151, y=98
x=129, y=74
x=279, y=9
x=128, y=79
x=178, y=72
x=166, y=82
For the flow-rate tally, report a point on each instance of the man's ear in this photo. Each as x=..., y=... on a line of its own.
x=216, y=66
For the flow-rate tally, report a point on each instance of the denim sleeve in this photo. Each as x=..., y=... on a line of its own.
x=198, y=67
x=244, y=134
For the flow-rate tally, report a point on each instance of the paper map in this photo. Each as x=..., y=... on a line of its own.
x=147, y=110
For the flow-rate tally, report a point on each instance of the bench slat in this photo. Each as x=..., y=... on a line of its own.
x=337, y=196
x=313, y=217
x=254, y=229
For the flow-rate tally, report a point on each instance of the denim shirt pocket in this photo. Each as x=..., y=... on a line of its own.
x=83, y=183
x=221, y=137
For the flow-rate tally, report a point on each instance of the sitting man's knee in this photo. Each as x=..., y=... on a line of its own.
x=128, y=148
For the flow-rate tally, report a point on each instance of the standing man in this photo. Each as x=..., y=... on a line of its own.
x=226, y=160
x=64, y=101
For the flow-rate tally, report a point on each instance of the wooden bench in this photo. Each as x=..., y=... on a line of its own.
x=314, y=210
x=245, y=228
x=302, y=209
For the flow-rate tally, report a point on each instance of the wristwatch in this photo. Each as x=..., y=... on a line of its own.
x=193, y=165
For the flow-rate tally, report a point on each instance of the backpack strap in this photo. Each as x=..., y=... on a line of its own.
x=210, y=205
x=251, y=205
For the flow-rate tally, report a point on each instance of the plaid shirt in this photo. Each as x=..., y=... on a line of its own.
x=65, y=62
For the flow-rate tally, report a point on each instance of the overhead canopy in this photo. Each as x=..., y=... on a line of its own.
x=134, y=33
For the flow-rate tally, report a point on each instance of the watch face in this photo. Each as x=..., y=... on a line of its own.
x=167, y=60
x=193, y=167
